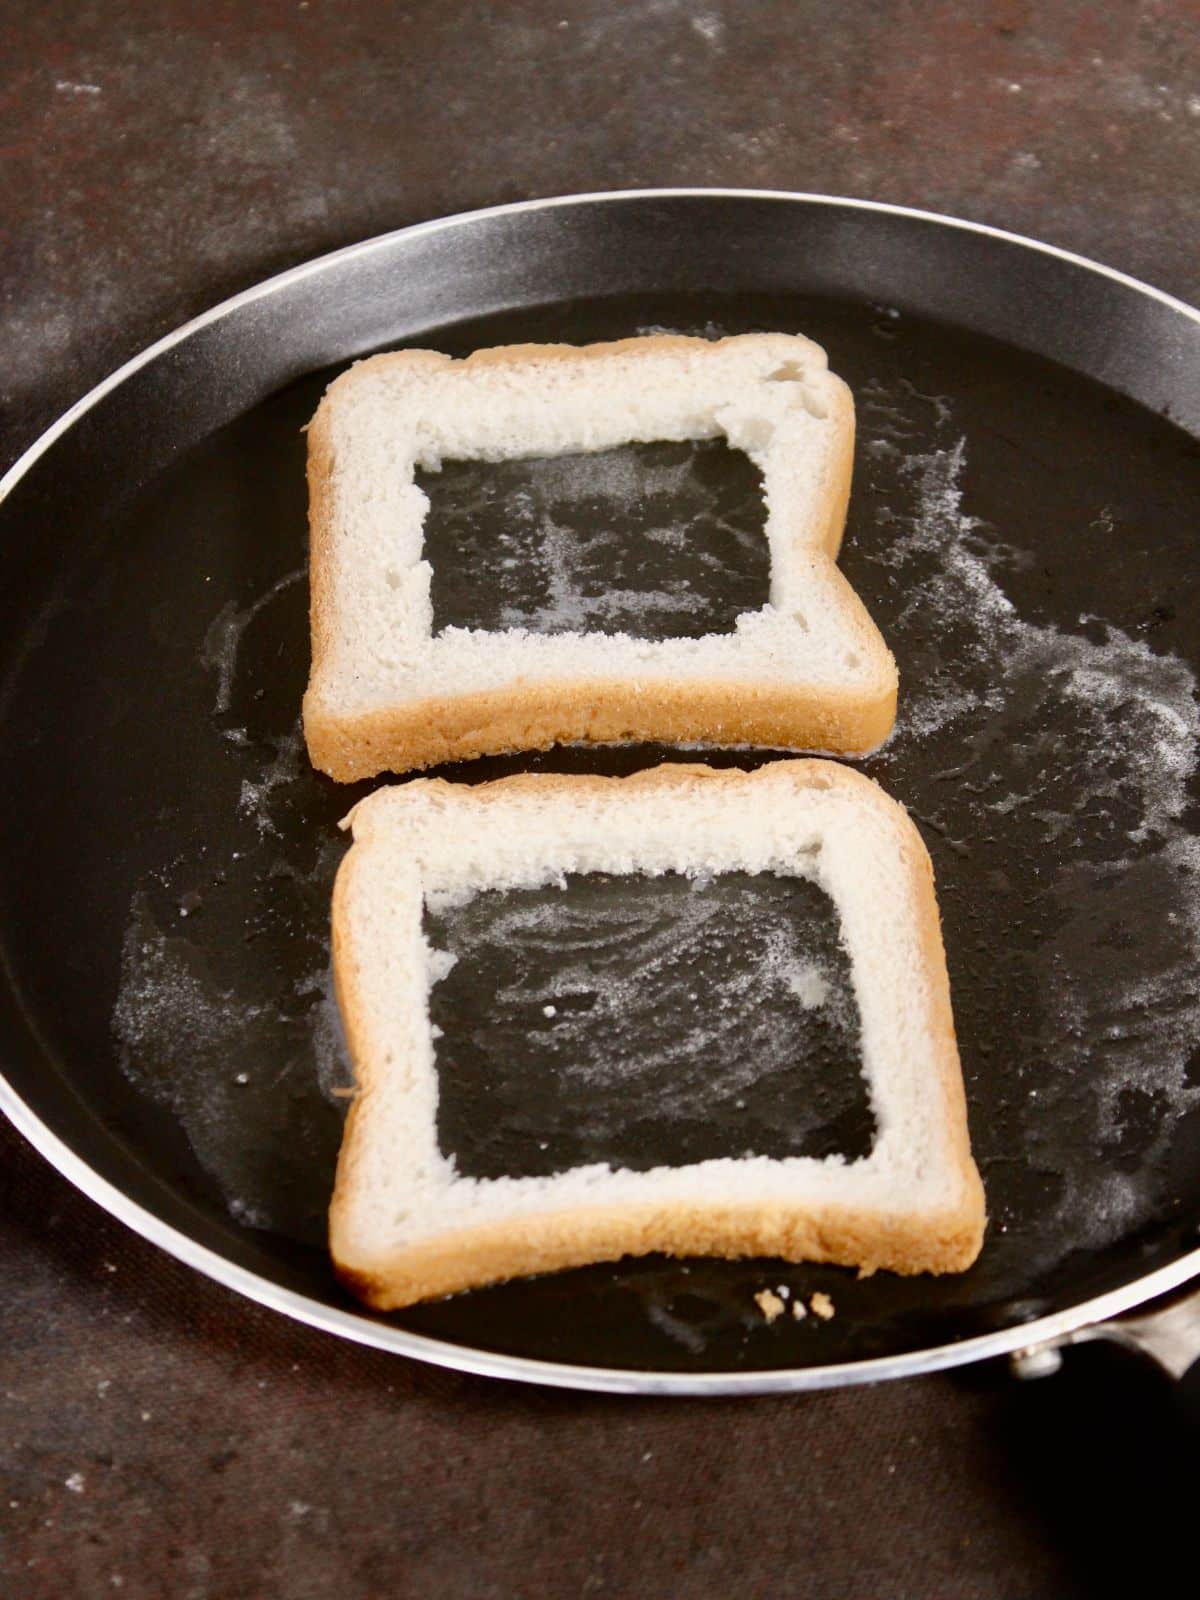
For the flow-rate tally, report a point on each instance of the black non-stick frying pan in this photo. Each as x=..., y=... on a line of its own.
x=1022, y=528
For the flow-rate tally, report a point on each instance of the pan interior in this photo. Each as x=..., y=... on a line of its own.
x=1024, y=539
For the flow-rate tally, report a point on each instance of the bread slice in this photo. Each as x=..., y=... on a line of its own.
x=405, y=1226
x=807, y=671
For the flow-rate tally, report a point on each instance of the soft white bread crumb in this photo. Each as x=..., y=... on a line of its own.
x=807, y=671
x=406, y=1226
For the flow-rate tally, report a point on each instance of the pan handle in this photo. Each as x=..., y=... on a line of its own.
x=1169, y=1335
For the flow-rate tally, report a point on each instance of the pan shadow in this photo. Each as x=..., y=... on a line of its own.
x=1102, y=1457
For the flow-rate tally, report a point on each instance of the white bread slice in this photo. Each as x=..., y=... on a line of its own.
x=807, y=671
x=404, y=1226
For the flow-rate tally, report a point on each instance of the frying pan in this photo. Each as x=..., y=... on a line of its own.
x=1022, y=530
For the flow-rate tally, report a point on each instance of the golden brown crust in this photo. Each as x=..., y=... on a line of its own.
x=667, y=779
x=849, y=1235
x=945, y=1052
x=550, y=1242
x=522, y=354
x=425, y=733
x=320, y=512
x=354, y=1028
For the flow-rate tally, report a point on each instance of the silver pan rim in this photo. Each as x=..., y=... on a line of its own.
x=383, y=1335
x=365, y=1330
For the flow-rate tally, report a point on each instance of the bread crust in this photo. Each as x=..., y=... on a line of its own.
x=409, y=734
x=842, y=402
x=945, y=1239
x=320, y=562
x=433, y=730
x=834, y=1235
x=516, y=355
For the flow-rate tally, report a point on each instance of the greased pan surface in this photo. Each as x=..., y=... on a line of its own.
x=1022, y=530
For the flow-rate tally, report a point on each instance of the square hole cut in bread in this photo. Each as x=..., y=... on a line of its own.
x=808, y=670
x=405, y=1225
x=557, y=1031
x=655, y=541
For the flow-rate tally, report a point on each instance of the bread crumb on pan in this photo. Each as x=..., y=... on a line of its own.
x=821, y=1306
x=769, y=1303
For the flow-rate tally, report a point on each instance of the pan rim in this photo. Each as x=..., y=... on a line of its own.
x=304, y=269
x=365, y=1330
x=380, y=1335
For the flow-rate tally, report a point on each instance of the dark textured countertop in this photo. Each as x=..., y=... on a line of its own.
x=163, y=1437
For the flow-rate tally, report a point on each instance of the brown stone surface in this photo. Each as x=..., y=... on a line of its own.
x=161, y=1437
